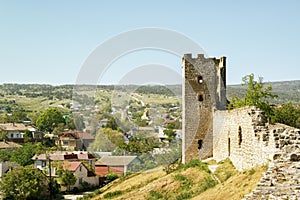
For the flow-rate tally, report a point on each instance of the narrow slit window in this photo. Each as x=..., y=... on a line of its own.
x=200, y=143
x=200, y=97
x=240, y=136
x=200, y=79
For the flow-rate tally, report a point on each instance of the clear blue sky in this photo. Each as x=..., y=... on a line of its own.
x=48, y=41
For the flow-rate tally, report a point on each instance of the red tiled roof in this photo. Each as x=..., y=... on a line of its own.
x=71, y=166
x=56, y=156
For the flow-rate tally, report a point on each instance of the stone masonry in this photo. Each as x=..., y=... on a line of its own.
x=203, y=91
x=282, y=179
x=242, y=135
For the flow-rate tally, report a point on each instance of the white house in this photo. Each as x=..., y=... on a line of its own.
x=16, y=130
x=82, y=173
x=41, y=161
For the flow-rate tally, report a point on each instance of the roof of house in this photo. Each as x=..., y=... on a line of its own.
x=101, y=153
x=16, y=127
x=85, y=136
x=68, y=134
x=8, y=145
x=168, y=121
x=146, y=128
x=77, y=134
x=71, y=166
x=64, y=155
x=115, y=160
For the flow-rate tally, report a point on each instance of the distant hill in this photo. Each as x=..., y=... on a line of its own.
x=287, y=91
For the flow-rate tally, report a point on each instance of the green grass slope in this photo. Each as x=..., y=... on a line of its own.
x=190, y=181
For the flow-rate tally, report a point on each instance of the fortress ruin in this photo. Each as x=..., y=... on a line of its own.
x=242, y=135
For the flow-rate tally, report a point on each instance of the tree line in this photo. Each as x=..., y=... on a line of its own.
x=259, y=94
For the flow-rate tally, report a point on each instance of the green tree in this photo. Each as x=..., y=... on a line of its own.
x=256, y=95
x=174, y=125
x=3, y=135
x=170, y=133
x=59, y=128
x=17, y=117
x=66, y=178
x=4, y=155
x=24, y=183
x=111, y=124
x=75, y=122
x=49, y=119
x=107, y=140
x=27, y=134
x=23, y=155
x=142, y=142
x=288, y=114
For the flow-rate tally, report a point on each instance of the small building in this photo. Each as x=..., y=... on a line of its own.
x=86, y=139
x=103, y=122
x=41, y=161
x=8, y=146
x=69, y=141
x=82, y=174
x=16, y=130
x=74, y=140
x=115, y=164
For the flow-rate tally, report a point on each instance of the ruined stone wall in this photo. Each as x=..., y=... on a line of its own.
x=243, y=136
x=282, y=179
x=203, y=90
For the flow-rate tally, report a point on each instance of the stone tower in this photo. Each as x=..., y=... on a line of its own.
x=204, y=89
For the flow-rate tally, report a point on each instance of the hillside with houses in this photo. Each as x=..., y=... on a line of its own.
x=80, y=140
x=81, y=143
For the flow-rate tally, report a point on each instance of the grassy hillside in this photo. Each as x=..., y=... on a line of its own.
x=37, y=97
x=190, y=181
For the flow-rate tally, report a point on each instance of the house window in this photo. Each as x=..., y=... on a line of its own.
x=80, y=180
x=200, y=143
x=65, y=143
x=200, y=97
x=80, y=168
x=240, y=136
x=200, y=79
x=11, y=135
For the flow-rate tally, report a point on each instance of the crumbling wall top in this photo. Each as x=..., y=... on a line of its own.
x=191, y=57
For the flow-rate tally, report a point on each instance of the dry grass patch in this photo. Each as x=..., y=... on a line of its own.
x=132, y=182
x=225, y=170
x=239, y=184
x=189, y=181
